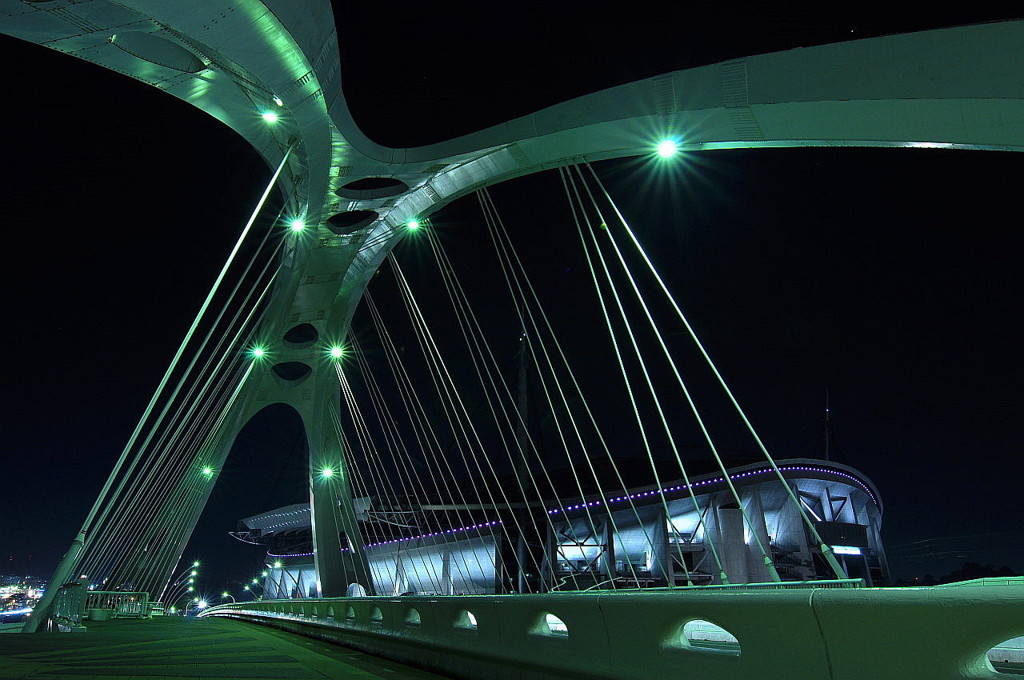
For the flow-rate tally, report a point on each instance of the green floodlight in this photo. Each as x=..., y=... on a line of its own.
x=247, y=588
x=668, y=148
x=192, y=580
x=277, y=565
x=277, y=100
x=297, y=225
x=225, y=594
x=255, y=582
x=196, y=563
x=208, y=471
x=327, y=473
x=336, y=352
x=190, y=589
x=195, y=573
x=269, y=116
x=258, y=352
x=413, y=224
x=263, y=573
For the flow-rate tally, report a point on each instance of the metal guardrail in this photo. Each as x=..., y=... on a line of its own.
x=68, y=608
x=74, y=603
x=120, y=605
x=1011, y=581
x=773, y=585
x=838, y=633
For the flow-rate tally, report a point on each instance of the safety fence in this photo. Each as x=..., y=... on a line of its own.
x=69, y=607
x=107, y=604
x=74, y=603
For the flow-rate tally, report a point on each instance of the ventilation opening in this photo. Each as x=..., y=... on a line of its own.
x=156, y=50
x=1008, y=657
x=351, y=221
x=552, y=625
x=465, y=620
x=291, y=373
x=376, y=616
x=301, y=336
x=372, y=187
x=705, y=636
x=412, y=618
x=330, y=612
x=350, y=614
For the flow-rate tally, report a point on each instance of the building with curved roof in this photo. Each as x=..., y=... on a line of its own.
x=646, y=536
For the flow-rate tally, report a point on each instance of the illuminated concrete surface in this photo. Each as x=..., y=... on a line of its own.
x=188, y=648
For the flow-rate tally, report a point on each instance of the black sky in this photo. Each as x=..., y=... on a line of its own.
x=889, y=277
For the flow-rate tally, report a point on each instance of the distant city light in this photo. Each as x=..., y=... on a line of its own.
x=270, y=117
x=297, y=225
x=668, y=148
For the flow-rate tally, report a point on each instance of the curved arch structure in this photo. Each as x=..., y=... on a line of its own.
x=240, y=59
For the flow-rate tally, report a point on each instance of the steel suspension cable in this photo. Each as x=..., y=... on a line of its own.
x=621, y=363
x=510, y=261
x=826, y=550
x=769, y=563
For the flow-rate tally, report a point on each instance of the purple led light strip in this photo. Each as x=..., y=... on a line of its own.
x=719, y=479
x=436, y=533
x=619, y=499
x=482, y=525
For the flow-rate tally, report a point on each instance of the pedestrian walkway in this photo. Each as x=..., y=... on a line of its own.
x=172, y=647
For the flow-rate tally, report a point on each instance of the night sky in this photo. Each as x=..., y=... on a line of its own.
x=889, y=278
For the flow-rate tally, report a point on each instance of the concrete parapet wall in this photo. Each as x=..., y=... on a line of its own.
x=817, y=634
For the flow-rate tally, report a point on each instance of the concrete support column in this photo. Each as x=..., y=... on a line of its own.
x=791, y=535
x=732, y=548
x=608, y=557
x=330, y=497
x=447, y=587
x=661, y=562
x=757, y=570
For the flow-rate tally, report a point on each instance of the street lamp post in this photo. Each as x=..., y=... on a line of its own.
x=182, y=583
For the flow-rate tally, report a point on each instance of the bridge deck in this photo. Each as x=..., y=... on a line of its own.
x=178, y=648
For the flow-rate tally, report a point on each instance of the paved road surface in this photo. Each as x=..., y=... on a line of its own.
x=178, y=648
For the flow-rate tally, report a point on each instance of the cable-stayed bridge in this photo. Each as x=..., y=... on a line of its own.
x=270, y=72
